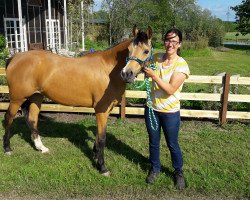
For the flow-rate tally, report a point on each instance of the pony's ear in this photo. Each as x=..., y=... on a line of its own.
x=149, y=32
x=135, y=30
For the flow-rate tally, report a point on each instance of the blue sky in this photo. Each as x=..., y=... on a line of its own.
x=218, y=8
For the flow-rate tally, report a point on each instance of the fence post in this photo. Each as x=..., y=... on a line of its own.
x=224, y=99
x=123, y=107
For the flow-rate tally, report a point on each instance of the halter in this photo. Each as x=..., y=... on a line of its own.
x=148, y=88
x=141, y=62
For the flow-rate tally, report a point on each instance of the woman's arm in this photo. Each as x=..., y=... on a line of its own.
x=170, y=88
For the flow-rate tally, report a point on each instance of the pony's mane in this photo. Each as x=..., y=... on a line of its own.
x=141, y=37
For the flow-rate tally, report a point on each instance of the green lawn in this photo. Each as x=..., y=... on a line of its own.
x=232, y=61
x=231, y=36
x=216, y=161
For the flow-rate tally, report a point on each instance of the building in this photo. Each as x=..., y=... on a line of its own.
x=34, y=24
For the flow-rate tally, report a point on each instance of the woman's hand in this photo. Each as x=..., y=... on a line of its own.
x=149, y=72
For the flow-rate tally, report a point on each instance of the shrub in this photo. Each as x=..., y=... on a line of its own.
x=2, y=42
x=202, y=43
x=90, y=44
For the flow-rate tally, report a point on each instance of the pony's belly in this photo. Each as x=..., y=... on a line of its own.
x=71, y=100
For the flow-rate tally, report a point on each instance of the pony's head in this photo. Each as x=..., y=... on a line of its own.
x=140, y=54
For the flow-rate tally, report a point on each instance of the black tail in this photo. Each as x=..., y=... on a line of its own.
x=25, y=111
x=8, y=62
x=25, y=108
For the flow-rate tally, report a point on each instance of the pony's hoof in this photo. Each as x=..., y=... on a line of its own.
x=45, y=150
x=107, y=173
x=8, y=153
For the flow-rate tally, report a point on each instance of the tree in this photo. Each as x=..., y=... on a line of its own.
x=75, y=21
x=242, y=13
x=195, y=23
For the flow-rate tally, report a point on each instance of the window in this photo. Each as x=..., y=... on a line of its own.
x=34, y=2
x=13, y=35
x=53, y=39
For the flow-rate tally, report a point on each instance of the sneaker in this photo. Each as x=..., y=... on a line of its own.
x=152, y=176
x=179, y=180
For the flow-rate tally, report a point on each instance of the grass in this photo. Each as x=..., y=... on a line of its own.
x=232, y=61
x=231, y=36
x=235, y=59
x=216, y=161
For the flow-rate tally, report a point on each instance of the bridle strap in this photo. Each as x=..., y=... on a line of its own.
x=139, y=60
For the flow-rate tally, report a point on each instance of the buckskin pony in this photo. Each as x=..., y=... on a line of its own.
x=95, y=80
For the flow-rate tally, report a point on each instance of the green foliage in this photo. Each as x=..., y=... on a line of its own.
x=2, y=42
x=202, y=43
x=199, y=105
x=242, y=12
x=230, y=26
x=216, y=33
x=100, y=45
x=195, y=23
x=3, y=51
x=4, y=54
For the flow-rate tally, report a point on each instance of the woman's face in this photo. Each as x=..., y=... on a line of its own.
x=172, y=43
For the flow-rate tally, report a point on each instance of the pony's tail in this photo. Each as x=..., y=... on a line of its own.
x=8, y=62
x=25, y=109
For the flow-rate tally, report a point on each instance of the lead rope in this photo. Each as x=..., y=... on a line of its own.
x=153, y=66
x=146, y=81
x=152, y=118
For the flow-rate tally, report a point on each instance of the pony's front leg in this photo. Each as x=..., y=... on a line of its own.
x=101, y=120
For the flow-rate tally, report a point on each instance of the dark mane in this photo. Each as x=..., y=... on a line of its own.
x=141, y=37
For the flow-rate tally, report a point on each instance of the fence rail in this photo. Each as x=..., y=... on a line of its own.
x=223, y=114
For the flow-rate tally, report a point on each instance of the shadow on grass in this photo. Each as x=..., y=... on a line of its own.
x=78, y=135
x=237, y=47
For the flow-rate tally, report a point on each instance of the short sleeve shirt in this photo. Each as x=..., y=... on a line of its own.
x=161, y=101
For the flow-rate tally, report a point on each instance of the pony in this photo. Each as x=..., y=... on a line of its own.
x=95, y=80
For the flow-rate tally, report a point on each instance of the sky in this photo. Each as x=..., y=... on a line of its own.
x=219, y=8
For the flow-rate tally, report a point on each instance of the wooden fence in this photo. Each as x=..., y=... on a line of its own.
x=222, y=115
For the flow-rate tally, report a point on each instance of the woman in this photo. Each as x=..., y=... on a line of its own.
x=167, y=82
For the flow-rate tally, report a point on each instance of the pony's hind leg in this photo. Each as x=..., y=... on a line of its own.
x=31, y=110
x=8, y=119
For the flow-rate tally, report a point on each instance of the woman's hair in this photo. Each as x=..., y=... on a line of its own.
x=178, y=33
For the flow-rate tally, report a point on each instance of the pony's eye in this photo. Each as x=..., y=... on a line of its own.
x=146, y=51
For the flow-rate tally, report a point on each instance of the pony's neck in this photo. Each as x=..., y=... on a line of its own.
x=117, y=55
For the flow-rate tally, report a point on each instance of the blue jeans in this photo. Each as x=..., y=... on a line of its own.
x=170, y=123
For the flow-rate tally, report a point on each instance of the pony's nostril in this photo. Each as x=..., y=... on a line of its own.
x=123, y=74
x=127, y=75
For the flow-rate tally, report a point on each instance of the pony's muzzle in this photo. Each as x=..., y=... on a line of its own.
x=127, y=76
